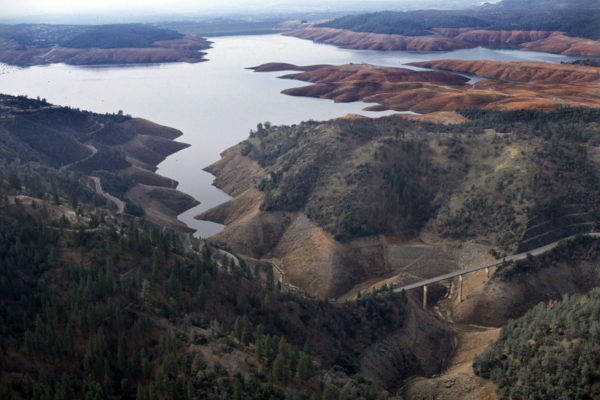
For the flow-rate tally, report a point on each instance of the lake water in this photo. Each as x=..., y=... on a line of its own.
x=216, y=103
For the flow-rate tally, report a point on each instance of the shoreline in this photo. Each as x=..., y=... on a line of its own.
x=187, y=49
x=508, y=85
x=448, y=39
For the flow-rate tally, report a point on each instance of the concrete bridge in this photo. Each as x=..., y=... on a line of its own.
x=516, y=257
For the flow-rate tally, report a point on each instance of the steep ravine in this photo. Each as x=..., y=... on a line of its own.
x=489, y=303
x=310, y=257
x=445, y=337
x=463, y=232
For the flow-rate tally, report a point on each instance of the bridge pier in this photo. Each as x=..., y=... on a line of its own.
x=460, y=284
x=425, y=297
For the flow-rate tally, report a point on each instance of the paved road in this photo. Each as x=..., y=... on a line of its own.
x=89, y=146
x=118, y=202
x=515, y=257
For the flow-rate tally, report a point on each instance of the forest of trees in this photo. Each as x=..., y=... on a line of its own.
x=357, y=178
x=550, y=352
x=573, y=21
x=119, y=36
x=95, y=308
x=86, y=36
x=100, y=305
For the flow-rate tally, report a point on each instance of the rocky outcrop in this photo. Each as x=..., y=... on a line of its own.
x=302, y=253
x=227, y=171
x=162, y=205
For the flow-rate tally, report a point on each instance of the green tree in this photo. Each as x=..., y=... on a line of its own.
x=122, y=352
x=306, y=369
x=279, y=370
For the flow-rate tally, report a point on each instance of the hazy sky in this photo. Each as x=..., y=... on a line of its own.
x=32, y=7
x=20, y=8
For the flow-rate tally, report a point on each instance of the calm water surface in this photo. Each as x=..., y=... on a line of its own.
x=216, y=103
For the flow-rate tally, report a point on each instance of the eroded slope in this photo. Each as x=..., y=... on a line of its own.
x=118, y=152
x=338, y=203
x=508, y=85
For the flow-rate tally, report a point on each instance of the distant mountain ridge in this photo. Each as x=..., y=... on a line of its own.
x=40, y=44
x=548, y=4
x=87, y=36
x=579, y=19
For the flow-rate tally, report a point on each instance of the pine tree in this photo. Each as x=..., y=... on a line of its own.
x=270, y=281
x=279, y=370
x=237, y=328
x=145, y=365
x=306, y=369
x=258, y=348
x=154, y=268
x=122, y=352
x=293, y=362
x=237, y=389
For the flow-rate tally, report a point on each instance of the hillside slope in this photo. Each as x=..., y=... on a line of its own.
x=336, y=203
x=41, y=44
x=550, y=351
x=516, y=366
x=507, y=85
x=96, y=304
x=50, y=143
x=569, y=28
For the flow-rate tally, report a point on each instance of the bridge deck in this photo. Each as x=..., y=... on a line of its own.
x=514, y=257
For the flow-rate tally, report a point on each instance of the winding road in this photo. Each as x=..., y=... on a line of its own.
x=97, y=185
x=118, y=202
x=89, y=146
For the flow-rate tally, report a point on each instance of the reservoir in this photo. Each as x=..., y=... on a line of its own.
x=216, y=103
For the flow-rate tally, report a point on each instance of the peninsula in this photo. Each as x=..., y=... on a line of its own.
x=41, y=44
x=506, y=85
x=113, y=156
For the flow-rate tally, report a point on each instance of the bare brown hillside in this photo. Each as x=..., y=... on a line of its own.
x=186, y=49
x=445, y=39
x=519, y=71
x=510, y=85
x=394, y=200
